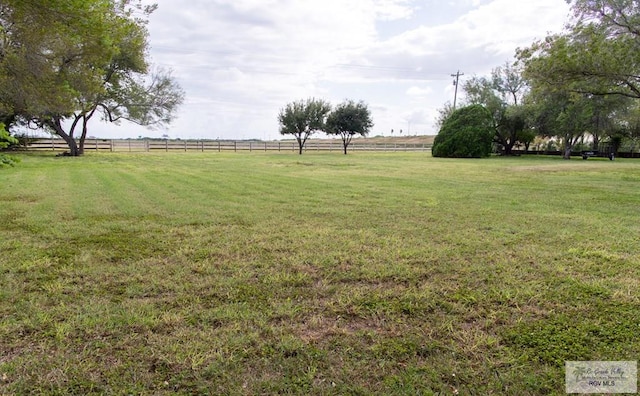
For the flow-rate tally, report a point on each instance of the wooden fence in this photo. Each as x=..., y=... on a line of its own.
x=217, y=146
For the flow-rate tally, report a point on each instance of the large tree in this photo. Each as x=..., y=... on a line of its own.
x=303, y=118
x=63, y=61
x=564, y=115
x=598, y=54
x=501, y=95
x=349, y=119
x=607, y=117
x=40, y=43
x=594, y=65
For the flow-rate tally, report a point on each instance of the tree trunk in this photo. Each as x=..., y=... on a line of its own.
x=616, y=142
x=83, y=137
x=74, y=151
x=56, y=125
x=569, y=142
x=501, y=142
x=508, y=148
x=510, y=141
x=345, y=142
x=81, y=146
x=300, y=144
x=86, y=116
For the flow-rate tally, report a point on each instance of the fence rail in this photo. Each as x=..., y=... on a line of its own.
x=217, y=146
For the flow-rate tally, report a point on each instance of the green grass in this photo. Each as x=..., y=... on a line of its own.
x=316, y=274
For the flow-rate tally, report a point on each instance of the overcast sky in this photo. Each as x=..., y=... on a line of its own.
x=241, y=61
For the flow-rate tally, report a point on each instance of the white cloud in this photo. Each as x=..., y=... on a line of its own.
x=393, y=9
x=493, y=30
x=240, y=61
x=419, y=92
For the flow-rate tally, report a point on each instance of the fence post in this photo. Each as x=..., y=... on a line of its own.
x=249, y=146
x=111, y=145
x=218, y=145
x=235, y=146
x=265, y=147
x=278, y=146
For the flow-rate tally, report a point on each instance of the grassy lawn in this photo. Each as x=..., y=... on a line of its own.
x=315, y=274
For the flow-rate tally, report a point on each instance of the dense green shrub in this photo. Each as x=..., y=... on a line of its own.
x=466, y=133
x=5, y=138
x=5, y=141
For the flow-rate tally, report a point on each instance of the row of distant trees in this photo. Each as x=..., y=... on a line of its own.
x=303, y=118
x=582, y=82
x=64, y=62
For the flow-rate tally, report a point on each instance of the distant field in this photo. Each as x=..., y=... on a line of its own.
x=372, y=273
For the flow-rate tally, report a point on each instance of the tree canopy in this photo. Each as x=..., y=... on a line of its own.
x=583, y=80
x=575, y=88
x=597, y=55
x=63, y=61
x=349, y=119
x=303, y=118
x=502, y=96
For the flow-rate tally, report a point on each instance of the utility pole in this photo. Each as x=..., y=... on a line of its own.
x=455, y=83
